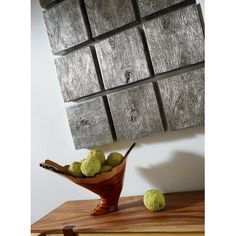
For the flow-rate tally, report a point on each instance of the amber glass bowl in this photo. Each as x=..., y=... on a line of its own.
x=107, y=185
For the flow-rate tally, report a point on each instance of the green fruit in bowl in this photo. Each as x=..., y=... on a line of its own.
x=97, y=154
x=114, y=159
x=106, y=168
x=82, y=160
x=154, y=200
x=75, y=169
x=90, y=167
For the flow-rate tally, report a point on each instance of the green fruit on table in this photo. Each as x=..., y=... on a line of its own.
x=90, y=167
x=106, y=168
x=114, y=159
x=97, y=154
x=75, y=169
x=154, y=200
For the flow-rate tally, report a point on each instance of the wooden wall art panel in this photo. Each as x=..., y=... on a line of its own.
x=130, y=68
x=175, y=39
x=89, y=123
x=183, y=99
x=148, y=7
x=122, y=59
x=107, y=15
x=135, y=112
x=77, y=74
x=65, y=25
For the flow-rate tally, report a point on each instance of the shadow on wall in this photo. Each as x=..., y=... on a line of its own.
x=159, y=138
x=183, y=172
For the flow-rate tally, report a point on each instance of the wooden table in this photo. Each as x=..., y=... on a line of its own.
x=183, y=215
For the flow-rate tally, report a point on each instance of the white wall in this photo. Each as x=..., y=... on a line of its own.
x=171, y=162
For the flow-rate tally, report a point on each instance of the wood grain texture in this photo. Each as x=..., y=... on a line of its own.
x=122, y=59
x=65, y=25
x=183, y=99
x=135, y=112
x=77, y=74
x=128, y=234
x=148, y=7
x=106, y=15
x=175, y=40
x=89, y=124
x=142, y=234
x=184, y=213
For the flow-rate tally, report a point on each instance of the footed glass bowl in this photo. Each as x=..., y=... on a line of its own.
x=107, y=185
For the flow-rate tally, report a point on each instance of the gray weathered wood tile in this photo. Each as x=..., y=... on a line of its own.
x=89, y=124
x=77, y=74
x=175, y=39
x=122, y=59
x=183, y=99
x=148, y=7
x=106, y=15
x=135, y=112
x=65, y=25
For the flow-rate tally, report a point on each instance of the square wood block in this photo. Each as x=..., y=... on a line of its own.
x=122, y=59
x=183, y=99
x=107, y=15
x=135, y=112
x=175, y=39
x=148, y=7
x=89, y=123
x=77, y=74
x=65, y=25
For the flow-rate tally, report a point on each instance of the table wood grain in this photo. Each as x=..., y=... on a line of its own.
x=184, y=213
x=127, y=234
